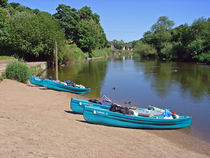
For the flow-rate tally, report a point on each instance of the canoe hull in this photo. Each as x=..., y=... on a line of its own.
x=78, y=105
x=61, y=87
x=105, y=117
x=36, y=81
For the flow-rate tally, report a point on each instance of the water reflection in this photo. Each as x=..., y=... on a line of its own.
x=190, y=78
x=193, y=79
x=91, y=74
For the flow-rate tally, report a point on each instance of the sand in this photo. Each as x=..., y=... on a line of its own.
x=38, y=123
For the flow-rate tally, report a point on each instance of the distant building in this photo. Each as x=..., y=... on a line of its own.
x=128, y=46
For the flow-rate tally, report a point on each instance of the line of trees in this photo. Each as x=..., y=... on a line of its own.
x=81, y=27
x=182, y=43
x=30, y=34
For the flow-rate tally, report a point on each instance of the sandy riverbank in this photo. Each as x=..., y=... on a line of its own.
x=37, y=122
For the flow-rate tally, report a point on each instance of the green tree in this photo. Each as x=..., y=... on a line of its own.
x=82, y=27
x=14, y=5
x=32, y=36
x=148, y=37
x=3, y=18
x=3, y=3
x=161, y=35
x=163, y=23
x=118, y=44
x=185, y=43
x=96, y=18
x=86, y=13
x=68, y=18
x=88, y=35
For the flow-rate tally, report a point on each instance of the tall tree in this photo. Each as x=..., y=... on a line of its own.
x=163, y=23
x=68, y=18
x=88, y=35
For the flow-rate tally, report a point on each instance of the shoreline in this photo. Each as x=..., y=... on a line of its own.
x=38, y=122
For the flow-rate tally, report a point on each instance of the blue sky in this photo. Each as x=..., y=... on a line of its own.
x=128, y=19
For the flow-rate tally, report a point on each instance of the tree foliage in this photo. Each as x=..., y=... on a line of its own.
x=185, y=43
x=32, y=36
x=163, y=23
x=3, y=3
x=82, y=27
x=145, y=50
x=118, y=44
x=3, y=18
x=68, y=18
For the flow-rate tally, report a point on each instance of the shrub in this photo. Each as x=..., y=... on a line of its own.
x=65, y=56
x=78, y=53
x=71, y=53
x=145, y=50
x=18, y=70
x=204, y=57
x=167, y=51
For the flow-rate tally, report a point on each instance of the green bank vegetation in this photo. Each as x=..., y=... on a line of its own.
x=30, y=34
x=182, y=43
x=6, y=58
x=18, y=70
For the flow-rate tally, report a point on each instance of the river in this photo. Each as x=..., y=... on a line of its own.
x=181, y=87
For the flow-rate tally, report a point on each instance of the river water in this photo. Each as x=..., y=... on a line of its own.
x=181, y=87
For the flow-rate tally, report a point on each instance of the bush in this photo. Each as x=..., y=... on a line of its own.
x=145, y=50
x=70, y=54
x=167, y=51
x=78, y=53
x=65, y=56
x=18, y=70
x=204, y=57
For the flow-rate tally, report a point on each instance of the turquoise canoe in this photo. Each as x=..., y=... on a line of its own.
x=78, y=105
x=36, y=81
x=97, y=115
x=62, y=87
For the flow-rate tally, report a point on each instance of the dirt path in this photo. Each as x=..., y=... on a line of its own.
x=37, y=123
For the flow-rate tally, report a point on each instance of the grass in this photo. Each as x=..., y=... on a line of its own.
x=6, y=58
x=101, y=52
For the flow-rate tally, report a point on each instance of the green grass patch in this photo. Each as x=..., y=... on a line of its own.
x=125, y=52
x=6, y=58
